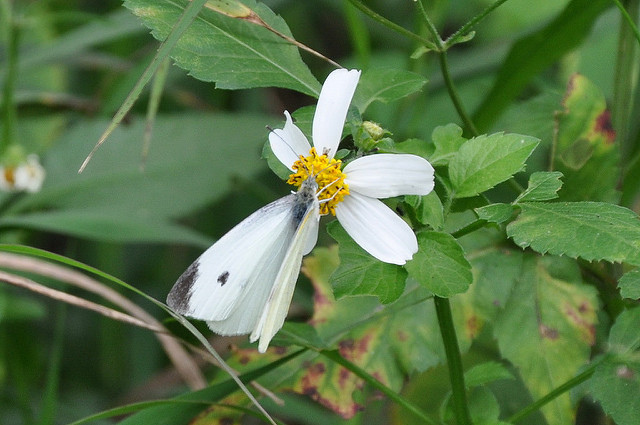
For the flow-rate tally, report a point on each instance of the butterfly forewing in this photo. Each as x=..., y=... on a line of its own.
x=224, y=275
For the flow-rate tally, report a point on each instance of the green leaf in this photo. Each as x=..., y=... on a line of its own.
x=484, y=161
x=547, y=329
x=616, y=381
x=629, y=284
x=386, y=85
x=413, y=146
x=536, y=52
x=232, y=52
x=361, y=274
x=109, y=227
x=589, y=230
x=495, y=272
x=543, y=186
x=191, y=162
x=428, y=209
x=440, y=264
x=447, y=140
x=485, y=373
x=585, y=151
x=495, y=213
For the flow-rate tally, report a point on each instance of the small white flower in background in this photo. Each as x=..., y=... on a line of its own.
x=352, y=193
x=26, y=176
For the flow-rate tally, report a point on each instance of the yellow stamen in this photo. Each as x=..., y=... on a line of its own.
x=331, y=186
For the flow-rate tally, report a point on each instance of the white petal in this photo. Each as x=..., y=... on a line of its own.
x=333, y=103
x=377, y=229
x=289, y=143
x=386, y=175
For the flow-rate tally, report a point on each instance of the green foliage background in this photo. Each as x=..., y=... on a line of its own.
x=531, y=124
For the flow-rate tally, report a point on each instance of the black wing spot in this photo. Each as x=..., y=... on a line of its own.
x=223, y=278
x=180, y=294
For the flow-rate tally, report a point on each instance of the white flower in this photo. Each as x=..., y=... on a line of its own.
x=351, y=193
x=25, y=177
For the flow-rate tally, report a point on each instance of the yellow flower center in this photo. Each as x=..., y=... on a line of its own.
x=330, y=179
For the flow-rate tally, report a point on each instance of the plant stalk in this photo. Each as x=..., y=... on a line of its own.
x=9, y=113
x=454, y=361
x=441, y=48
x=391, y=25
x=626, y=75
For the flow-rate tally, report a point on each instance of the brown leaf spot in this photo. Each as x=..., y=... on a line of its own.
x=472, y=326
x=402, y=336
x=580, y=317
x=603, y=125
x=625, y=372
x=547, y=332
x=570, y=87
x=352, y=349
x=344, y=377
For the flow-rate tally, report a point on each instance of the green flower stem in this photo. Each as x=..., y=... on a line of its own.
x=625, y=74
x=464, y=30
x=335, y=356
x=453, y=94
x=441, y=48
x=9, y=113
x=571, y=383
x=391, y=25
x=454, y=361
x=469, y=228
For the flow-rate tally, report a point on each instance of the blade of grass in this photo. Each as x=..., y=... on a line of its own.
x=189, y=14
x=157, y=87
x=184, y=322
x=625, y=79
x=50, y=398
x=191, y=403
x=534, y=53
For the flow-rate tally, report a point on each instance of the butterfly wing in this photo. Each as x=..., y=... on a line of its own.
x=239, y=268
x=277, y=305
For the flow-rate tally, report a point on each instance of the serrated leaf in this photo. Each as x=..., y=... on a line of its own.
x=585, y=150
x=484, y=161
x=447, y=140
x=495, y=213
x=428, y=209
x=386, y=85
x=543, y=186
x=232, y=52
x=361, y=274
x=629, y=284
x=440, y=265
x=547, y=329
x=589, y=230
x=616, y=380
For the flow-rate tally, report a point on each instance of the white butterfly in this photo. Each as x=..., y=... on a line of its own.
x=244, y=282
